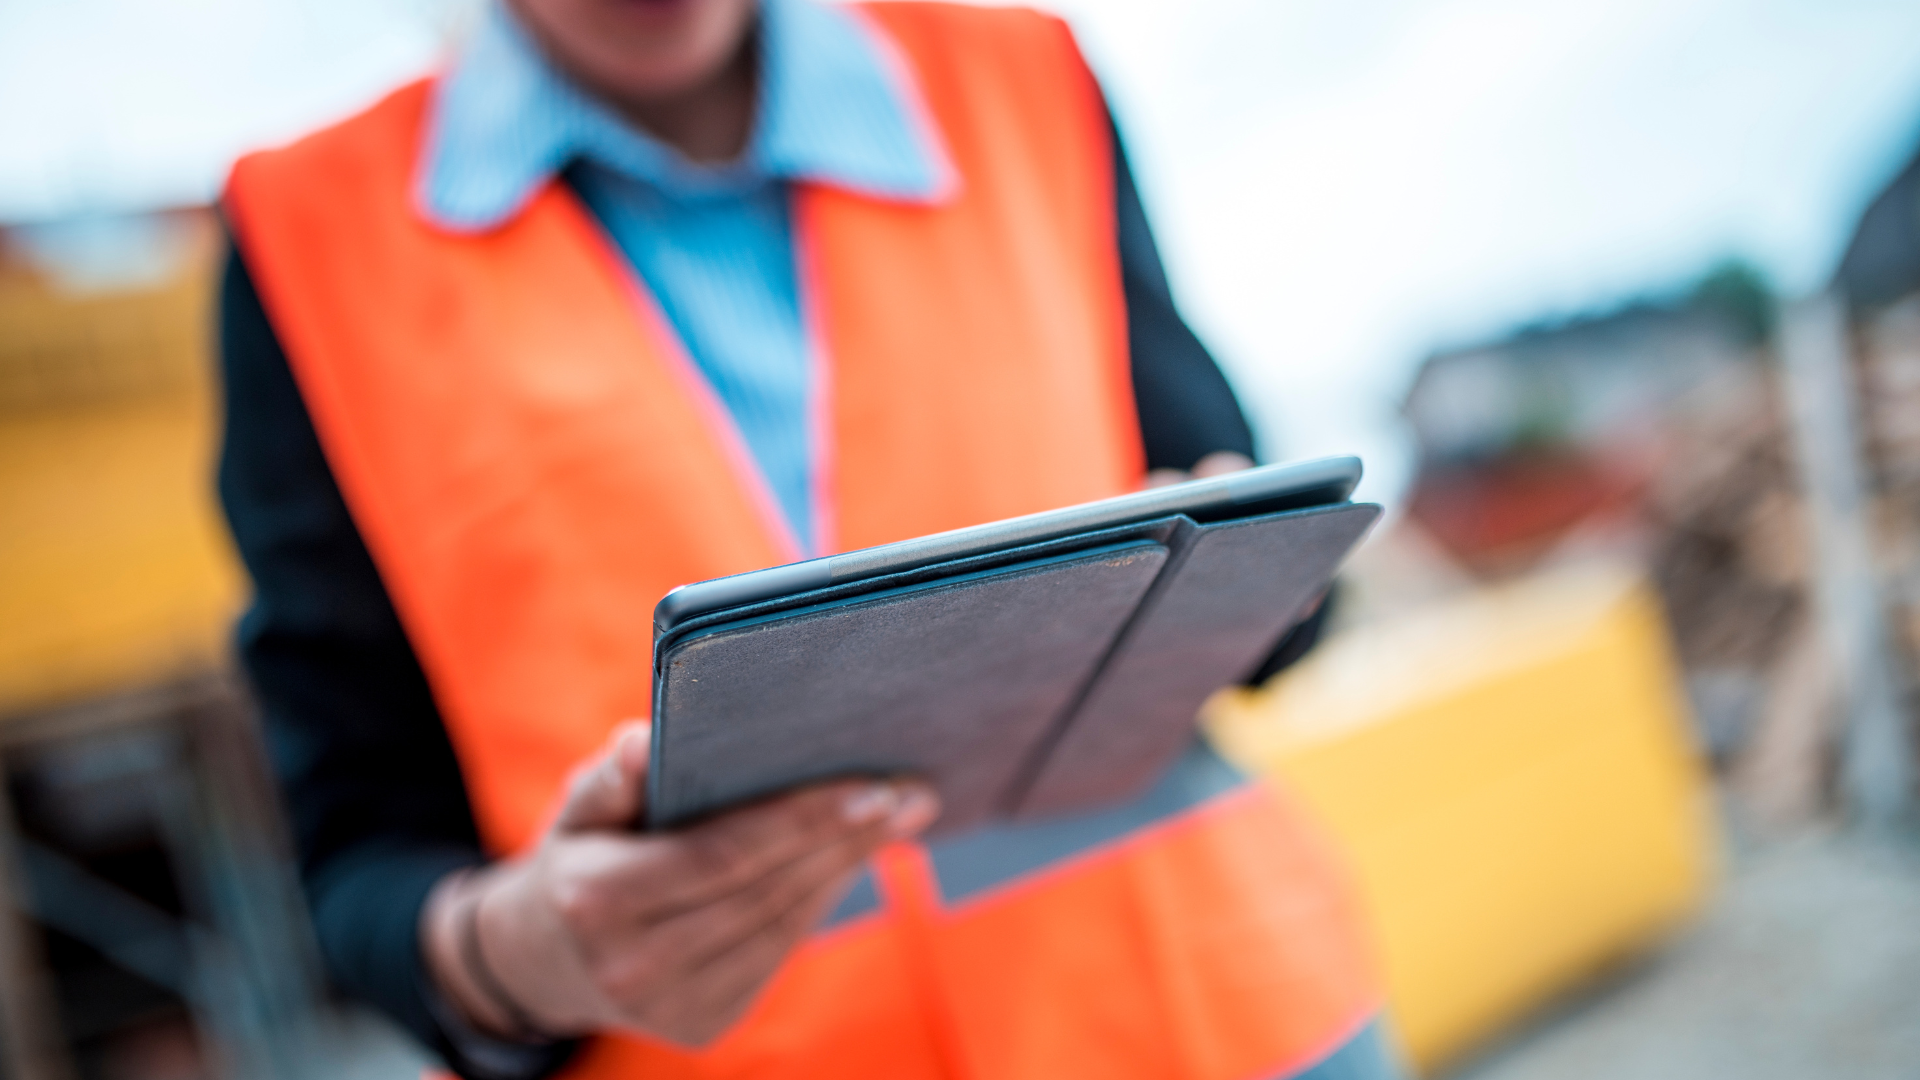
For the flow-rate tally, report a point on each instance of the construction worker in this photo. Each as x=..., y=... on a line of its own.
x=643, y=292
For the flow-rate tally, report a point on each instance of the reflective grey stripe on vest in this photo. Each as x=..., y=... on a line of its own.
x=1366, y=1056
x=862, y=899
x=968, y=865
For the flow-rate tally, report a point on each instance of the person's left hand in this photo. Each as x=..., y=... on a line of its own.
x=603, y=926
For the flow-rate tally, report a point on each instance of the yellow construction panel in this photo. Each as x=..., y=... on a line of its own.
x=115, y=570
x=1512, y=779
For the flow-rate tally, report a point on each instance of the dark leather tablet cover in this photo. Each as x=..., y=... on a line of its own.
x=1028, y=683
x=957, y=682
x=1222, y=604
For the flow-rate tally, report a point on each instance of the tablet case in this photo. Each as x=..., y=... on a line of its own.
x=1043, y=680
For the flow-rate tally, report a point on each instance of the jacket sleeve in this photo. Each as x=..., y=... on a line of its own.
x=1187, y=409
x=378, y=809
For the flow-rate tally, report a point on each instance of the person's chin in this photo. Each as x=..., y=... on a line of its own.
x=665, y=20
x=657, y=7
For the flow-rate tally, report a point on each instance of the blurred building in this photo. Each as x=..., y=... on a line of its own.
x=1881, y=266
x=1880, y=277
x=1654, y=431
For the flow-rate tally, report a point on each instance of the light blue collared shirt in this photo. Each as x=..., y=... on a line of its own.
x=714, y=244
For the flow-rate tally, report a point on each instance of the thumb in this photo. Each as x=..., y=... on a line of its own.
x=609, y=791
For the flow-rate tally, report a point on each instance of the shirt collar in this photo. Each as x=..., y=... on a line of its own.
x=837, y=107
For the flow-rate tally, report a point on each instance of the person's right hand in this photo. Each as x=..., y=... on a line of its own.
x=670, y=934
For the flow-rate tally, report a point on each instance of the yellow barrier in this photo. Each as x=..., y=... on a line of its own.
x=1511, y=778
x=115, y=570
x=118, y=572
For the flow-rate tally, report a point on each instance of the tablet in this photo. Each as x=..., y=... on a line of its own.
x=1036, y=667
x=1261, y=490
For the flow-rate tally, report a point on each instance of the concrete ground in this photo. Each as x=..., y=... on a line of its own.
x=362, y=1046
x=1807, y=967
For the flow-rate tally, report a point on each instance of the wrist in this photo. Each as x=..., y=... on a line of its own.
x=454, y=955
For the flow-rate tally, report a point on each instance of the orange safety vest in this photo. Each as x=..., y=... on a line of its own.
x=533, y=462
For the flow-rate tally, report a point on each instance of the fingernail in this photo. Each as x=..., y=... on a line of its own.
x=916, y=811
x=870, y=804
x=621, y=732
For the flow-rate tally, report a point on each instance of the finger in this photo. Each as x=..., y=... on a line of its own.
x=1221, y=462
x=635, y=961
x=714, y=859
x=615, y=884
x=1159, y=478
x=737, y=972
x=723, y=987
x=609, y=791
x=691, y=937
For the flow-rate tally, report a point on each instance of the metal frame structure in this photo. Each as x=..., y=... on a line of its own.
x=242, y=956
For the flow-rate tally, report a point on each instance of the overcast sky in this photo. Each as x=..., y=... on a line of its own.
x=1338, y=185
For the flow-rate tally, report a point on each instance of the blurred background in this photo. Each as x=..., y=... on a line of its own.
x=1619, y=300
